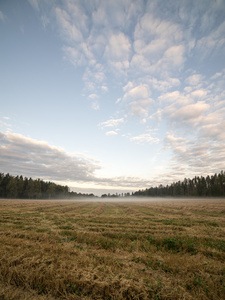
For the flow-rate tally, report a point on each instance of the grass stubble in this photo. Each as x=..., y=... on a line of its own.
x=112, y=250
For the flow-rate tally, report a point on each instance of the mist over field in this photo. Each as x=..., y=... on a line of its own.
x=140, y=200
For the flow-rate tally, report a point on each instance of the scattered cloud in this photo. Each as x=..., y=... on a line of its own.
x=104, y=88
x=195, y=80
x=158, y=45
x=94, y=78
x=137, y=99
x=163, y=85
x=93, y=96
x=201, y=94
x=157, y=115
x=140, y=108
x=191, y=113
x=117, y=52
x=143, y=138
x=194, y=157
x=157, y=65
x=111, y=133
x=214, y=132
x=136, y=92
x=69, y=26
x=112, y=123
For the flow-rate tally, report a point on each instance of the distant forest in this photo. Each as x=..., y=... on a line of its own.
x=210, y=186
x=19, y=187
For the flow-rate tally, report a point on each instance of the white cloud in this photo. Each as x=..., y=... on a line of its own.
x=99, y=16
x=215, y=117
x=173, y=57
x=118, y=47
x=144, y=138
x=171, y=61
x=94, y=104
x=214, y=131
x=140, y=108
x=138, y=92
x=104, y=88
x=94, y=78
x=195, y=80
x=176, y=99
x=128, y=86
x=158, y=45
x=164, y=85
x=151, y=27
x=196, y=157
x=199, y=93
x=111, y=133
x=93, y=96
x=157, y=115
x=217, y=75
x=117, y=52
x=140, y=64
x=68, y=26
x=112, y=123
x=137, y=99
x=172, y=141
x=74, y=55
x=191, y=113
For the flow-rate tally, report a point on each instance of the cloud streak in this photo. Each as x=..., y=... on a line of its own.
x=22, y=155
x=112, y=123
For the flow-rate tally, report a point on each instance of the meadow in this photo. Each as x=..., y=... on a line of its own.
x=158, y=249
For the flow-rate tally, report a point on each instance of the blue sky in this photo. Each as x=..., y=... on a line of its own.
x=112, y=96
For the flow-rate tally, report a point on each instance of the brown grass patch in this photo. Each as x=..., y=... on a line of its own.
x=94, y=250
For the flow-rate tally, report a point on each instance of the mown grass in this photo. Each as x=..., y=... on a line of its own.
x=113, y=250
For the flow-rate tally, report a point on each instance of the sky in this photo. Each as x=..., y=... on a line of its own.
x=112, y=96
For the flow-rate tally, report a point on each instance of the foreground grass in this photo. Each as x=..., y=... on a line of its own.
x=113, y=250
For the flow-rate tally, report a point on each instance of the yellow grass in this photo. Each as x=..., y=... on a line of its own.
x=112, y=250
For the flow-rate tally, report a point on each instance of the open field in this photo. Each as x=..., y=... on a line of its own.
x=112, y=250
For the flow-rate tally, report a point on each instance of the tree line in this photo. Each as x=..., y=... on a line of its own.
x=19, y=187
x=209, y=186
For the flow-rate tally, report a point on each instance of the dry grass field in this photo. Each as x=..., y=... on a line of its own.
x=112, y=250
